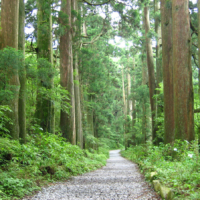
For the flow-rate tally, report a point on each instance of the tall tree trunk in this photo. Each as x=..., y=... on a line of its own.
x=129, y=101
x=151, y=74
x=124, y=108
x=159, y=74
x=182, y=71
x=167, y=63
x=78, y=112
x=90, y=121
x=96, y=131
x=123, y=92
x=144, y=82
x=198, y=4
x=9, y=25
x=129, y=105
x=22, y=75
x=44, y=107
x=84, y=29
x=79, y=130
x=159, y=71
x=133, y=102
x=83, y=109
x=67, y=120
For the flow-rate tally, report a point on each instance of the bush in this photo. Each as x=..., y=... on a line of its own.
x=4, y=119
x=178, y=166
x=44, y=158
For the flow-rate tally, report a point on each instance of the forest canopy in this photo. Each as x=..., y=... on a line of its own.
x=100, y=71
x=100, y=74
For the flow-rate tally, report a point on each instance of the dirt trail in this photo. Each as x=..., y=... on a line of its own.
x=119, y=179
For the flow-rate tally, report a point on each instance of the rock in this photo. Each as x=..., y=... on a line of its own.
x=166, y=193
x=156, y=185
x=152, y=175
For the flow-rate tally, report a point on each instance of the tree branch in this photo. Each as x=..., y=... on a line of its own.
x=195, y=60
x=195, y=45
x=98, y=4
x=96, y=37
x=197, y=110
x=193, y=28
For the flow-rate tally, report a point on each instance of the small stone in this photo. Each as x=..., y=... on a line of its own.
x=156, y=185
x=166, y=193
x=152, y=175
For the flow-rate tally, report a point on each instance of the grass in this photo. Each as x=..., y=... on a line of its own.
x=45, y=158
x=177, y=167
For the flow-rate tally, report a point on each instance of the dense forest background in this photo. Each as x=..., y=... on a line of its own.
x=62, y=71
x=99, y=74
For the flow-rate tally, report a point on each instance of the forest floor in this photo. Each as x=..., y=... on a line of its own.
x=119, y=179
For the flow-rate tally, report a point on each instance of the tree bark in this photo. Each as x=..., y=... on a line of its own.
x=9, y=25
x=144, y=82
x=159, y=73
x=67, y=120
x=133, y=99
x=124, y=108
x=167, y=63
x=90, y=129
x=79, y=130
x=133, y=102
x=44, y=107
x=78, y=112
x=129, y=101
x=151, y=74
x=198, y=110
x=129, y=105
x=123, y=92
x=182, y=71
x=22, y=75
x=198, y=4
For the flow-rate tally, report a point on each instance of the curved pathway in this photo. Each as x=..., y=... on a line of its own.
x=119, y=179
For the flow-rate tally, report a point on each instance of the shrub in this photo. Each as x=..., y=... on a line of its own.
x=44, y=158
x=178, y=166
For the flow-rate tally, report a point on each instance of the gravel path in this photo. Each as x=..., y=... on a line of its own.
x=119, y=179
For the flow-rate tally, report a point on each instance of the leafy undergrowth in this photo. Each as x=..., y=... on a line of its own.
x=44, y=158
x=177, y=167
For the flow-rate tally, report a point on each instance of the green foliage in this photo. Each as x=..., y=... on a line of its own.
x=45, y=157
x=151, y=34
x=39, y=85
x=4, y=119
x=63, y=21
x=102, y=94
x=11, y=61
x=58, y=95
x=21, y=187
x=45, y=72
x=160, y=114
x=178, y=166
